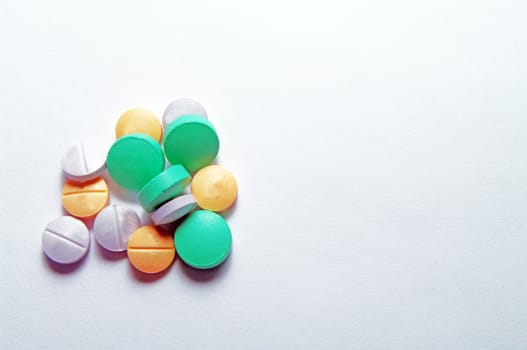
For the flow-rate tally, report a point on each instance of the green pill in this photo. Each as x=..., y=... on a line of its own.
x=191, y=141
x=133, y=160
x=167, y=185
x=203, y=240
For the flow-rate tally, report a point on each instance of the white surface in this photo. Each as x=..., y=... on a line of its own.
x=180, y=107
x=65, y=240
x=114, y=225
x=85, y=160
x=380, y=149
x=174, y=209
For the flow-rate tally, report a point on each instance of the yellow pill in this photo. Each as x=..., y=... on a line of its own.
x=150, y=251
x=139, y=120
x=214, y=188
x=85, y=199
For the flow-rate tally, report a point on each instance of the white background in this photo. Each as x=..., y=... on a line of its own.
x=381, y=154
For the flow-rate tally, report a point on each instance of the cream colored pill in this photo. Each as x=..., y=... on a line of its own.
x=65, y=240
x=85, y=160
x=114, y=225
x=180, y=107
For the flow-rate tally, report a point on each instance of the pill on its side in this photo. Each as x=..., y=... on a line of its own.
x=181, y=107
x=84, y=161
x=167, y=185
x=114, y=225
x=65, y=240
x=174, y=209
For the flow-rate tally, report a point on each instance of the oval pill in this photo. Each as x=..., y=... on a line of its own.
x=133, y=160
x=85, y=199
x=214, y=187
x=174, y=209
x=203, y=240
x=191, y=141
x=150, y=251
x=84, y=161
x=65, y=240
x=139, y=120
x=114, y=225
x=180, y=107
x=167, y=185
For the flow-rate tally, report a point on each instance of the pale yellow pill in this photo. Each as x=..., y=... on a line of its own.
x=139, y=120
x=214, y=188
x=85, y=199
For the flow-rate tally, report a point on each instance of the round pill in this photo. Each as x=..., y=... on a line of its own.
x=133, y=160
x=150, y=251
x=214, y=187
x=84, y=161
x=65, y=240
x=139, y=120
x=191, y=141
x=203, y=240
x=180, y=107
x=85, y=199
x=174, y=209
x=114, y=225
x=170, y=183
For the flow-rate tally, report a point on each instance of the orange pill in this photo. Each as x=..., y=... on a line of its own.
x=150, y=251
x=139, y=120
x=85, y=199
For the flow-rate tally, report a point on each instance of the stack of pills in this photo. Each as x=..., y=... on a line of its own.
x=136, y=162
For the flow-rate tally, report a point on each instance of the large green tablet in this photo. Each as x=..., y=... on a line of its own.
x=133, y=160
x=203, y=240
x=191, y=141
x=167, y=185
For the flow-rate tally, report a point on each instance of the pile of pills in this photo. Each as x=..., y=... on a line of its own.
x=136, y=162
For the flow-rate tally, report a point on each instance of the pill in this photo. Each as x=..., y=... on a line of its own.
x=114, y=225
x=167, y=185
x=85, y=199
x=133, y=160
x=203, y=240
x=84, y=161
x=174, y=209
x=139, y=120
x=191, y=141
x=149, y=250
x=65, y=240
x=180, y=107
x=214, y=187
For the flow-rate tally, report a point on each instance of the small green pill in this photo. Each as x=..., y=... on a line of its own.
x=203, y=240
x=167, y=185
x=191, y=141
x=133, y=160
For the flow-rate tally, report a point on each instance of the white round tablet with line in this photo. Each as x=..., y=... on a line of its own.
x=65, y=240
x=114, y=225
x=85, y=160
x=180, y=107
x=174, y=209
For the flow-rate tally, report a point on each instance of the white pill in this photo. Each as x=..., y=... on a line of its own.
x=66, y=240
x=174, y=209
x=85, y=161
x=114, y=225
x=180, y=107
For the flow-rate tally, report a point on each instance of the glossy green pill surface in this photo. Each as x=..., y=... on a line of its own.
x=167, y=185
x=191, y=141
x=203, y=240
x=133, y=160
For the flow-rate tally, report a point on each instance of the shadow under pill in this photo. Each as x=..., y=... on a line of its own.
x=63, y=268
x=204, y=276
x=109, y=255
x=118, y=191
x=148, y=277
x=229, y=212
